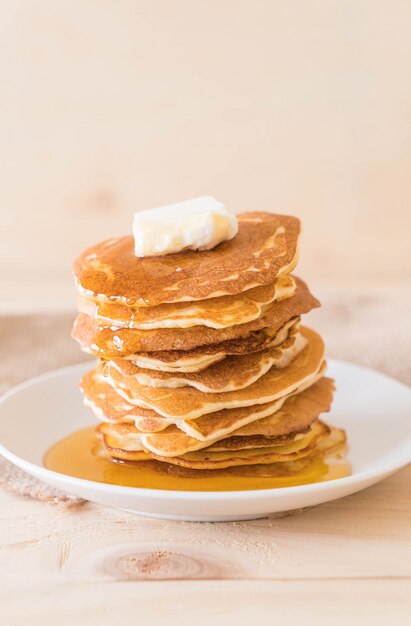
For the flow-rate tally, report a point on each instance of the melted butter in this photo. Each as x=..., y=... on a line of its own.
x=80, y=455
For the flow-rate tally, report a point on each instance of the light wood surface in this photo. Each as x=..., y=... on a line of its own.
x=346, y=560
x=111, y=107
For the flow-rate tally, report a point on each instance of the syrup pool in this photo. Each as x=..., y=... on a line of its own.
x=80, y=455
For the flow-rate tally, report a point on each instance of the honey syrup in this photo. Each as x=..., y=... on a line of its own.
x=80, y=455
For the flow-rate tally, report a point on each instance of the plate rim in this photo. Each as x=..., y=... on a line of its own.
x=253, y=494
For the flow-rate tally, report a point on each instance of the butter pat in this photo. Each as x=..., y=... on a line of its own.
x=197, y=224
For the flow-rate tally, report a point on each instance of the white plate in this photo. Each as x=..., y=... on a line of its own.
x=375, y=411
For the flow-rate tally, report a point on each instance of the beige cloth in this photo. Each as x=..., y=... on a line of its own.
x=367, y=330
x=30, y=345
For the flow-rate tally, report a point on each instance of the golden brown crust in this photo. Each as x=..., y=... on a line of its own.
x=111, y=343
x=213, y=312
x=295, y=416
x=265, y=247
x=256, y=341
x=233, y=372
x=187, y=402
x=117, y=444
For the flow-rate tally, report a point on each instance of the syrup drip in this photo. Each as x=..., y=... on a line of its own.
x=81, y=455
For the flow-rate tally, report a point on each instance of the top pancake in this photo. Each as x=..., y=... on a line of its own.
x=264, y=248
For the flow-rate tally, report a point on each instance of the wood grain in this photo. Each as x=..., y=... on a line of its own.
x=223, y=603
x=346, y=558
x=366, y=535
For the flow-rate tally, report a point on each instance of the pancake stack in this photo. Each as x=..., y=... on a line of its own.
x=202, y=361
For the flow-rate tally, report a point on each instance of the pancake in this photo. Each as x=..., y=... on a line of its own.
x=298, y=412
x=110, y=342
x=198, y=359
x=297, y=415
x=126, y=437
x=254, y=441
x=328, y=447
x=224, y=422
x=264, y=248
x=234, y=372
x=108, y=406
x=189, y=403
x=120, y=447
x=321, y=440
x=214, y=312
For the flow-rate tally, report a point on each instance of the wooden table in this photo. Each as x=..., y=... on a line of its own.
x=343, y=562
x=346, y=562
